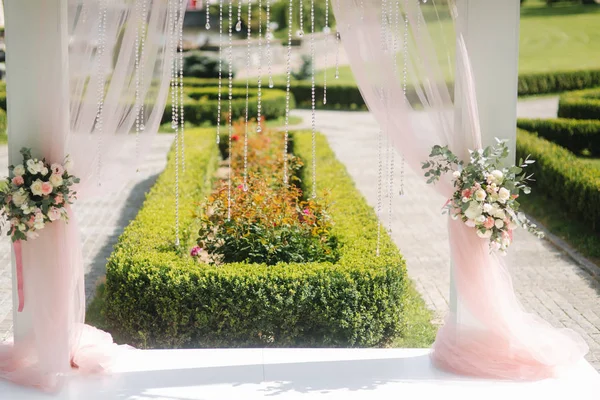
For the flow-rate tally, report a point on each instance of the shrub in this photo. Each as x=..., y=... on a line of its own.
x=200, y=65
x=578, y=136
x=564, y=177
x=201, y=104
x=157, y=297
x=582, y=104
x=555, y=82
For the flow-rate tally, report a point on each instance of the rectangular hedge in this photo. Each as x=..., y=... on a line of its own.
x=576, y=135
x=562, y=176
x=580, y=104
x=157, y=296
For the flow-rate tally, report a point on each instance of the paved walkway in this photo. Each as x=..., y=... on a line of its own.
x=101, y=220
x=548, y=282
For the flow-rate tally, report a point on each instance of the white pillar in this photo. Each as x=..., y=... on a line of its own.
x=491, y=31
x=37, y=89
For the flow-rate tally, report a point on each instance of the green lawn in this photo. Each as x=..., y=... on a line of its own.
x=560, y=38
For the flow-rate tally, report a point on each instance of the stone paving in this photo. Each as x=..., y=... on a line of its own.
x=101, y=221
x=548, y=282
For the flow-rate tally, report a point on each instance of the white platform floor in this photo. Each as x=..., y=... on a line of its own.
x=340, y=374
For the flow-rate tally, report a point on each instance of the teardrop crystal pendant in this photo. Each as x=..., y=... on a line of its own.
x=271, y=84
x=238, y=26
x=327, y=30
x=300, y=33
x=207, y=26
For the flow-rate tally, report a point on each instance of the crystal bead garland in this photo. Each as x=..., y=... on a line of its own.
x=287, y=93
x=238, y=25
x=230, y=114
x=259, y=101
x=313, y=99
x=181, y=94
x=207, y=26
x=326, y=31
x=393, y=30
x=101, y=85
x=269, y=35
x=246, y=118
x=300, y=32
x=404, y=83
x=138, y=22
x=173, y=20
x=220, y=90
x=338, y=43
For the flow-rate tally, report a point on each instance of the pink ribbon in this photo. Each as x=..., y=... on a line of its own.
x=19, y=259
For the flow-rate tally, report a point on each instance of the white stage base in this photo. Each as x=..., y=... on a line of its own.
x=340, y=374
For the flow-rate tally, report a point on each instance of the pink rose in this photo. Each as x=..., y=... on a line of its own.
x=489, y=223
x=59, y=199
x=466, y=193
x=18, y=180
x=47, y=188
x=57, y=169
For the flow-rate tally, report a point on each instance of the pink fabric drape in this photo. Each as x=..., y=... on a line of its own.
x=57, y=342
x=494, y=337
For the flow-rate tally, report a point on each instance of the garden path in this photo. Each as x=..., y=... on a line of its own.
x=548, y=281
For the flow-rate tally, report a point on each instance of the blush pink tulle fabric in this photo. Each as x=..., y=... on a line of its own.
x=491, y=336
x=51, y=339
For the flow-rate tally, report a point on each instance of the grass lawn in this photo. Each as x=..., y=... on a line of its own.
x=560, y=38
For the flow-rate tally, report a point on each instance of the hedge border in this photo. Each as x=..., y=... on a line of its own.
x=156, y=297
x=580, y=104
x=562, y=176
x=576, y=135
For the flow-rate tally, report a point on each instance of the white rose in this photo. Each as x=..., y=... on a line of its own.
x=54, y=214
x=456, y=174
x=498, y=176
x=56, y=180
x=487, y=208
x=32, y=167
x=499, y=224
x=470, y=223
x=480, y=220
x=38, y=225
x=465, y=199
x=36, y=187
x=500, y=214
x=503, y=194
x=44, y=171
x=480, y=195
x=19, y=170
x=473, y=211
x=20, y=197
x=484, y=234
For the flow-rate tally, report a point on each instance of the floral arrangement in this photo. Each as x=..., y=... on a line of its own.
x=35, y=194
x=486, y=192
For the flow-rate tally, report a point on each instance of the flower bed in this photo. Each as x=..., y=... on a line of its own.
x=158, y=296
x=579, y=136
x=581, y=104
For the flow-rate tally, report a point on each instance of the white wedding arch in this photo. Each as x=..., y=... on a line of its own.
x=43, y=116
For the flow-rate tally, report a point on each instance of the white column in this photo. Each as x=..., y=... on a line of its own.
x=37, y=89
x=491, y=31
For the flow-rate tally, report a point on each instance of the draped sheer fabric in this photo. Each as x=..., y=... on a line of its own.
x=99, y=61
x=492, y=336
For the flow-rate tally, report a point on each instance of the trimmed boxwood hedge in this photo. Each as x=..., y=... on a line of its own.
x=157, y=297
x=576, y=135
x=201, y=104
x=564, y=177
x=556, y=82
x=580, y=104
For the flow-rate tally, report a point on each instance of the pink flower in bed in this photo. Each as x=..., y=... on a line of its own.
x=195, y=252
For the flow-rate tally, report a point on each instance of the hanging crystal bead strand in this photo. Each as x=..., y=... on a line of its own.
x=404, y=82
x=173, y=20
x=230, y=115
x=300, y=32
x=246, y=120
x=287, y=93
x=220, y=90
x=326, y=31
x=138, y=21
x=238, y=25
x=181, y=94
x=338, y=42
x=269, y=35
x=101, y=85
x=259, y=101
x=313, y=99
x=207, y=26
